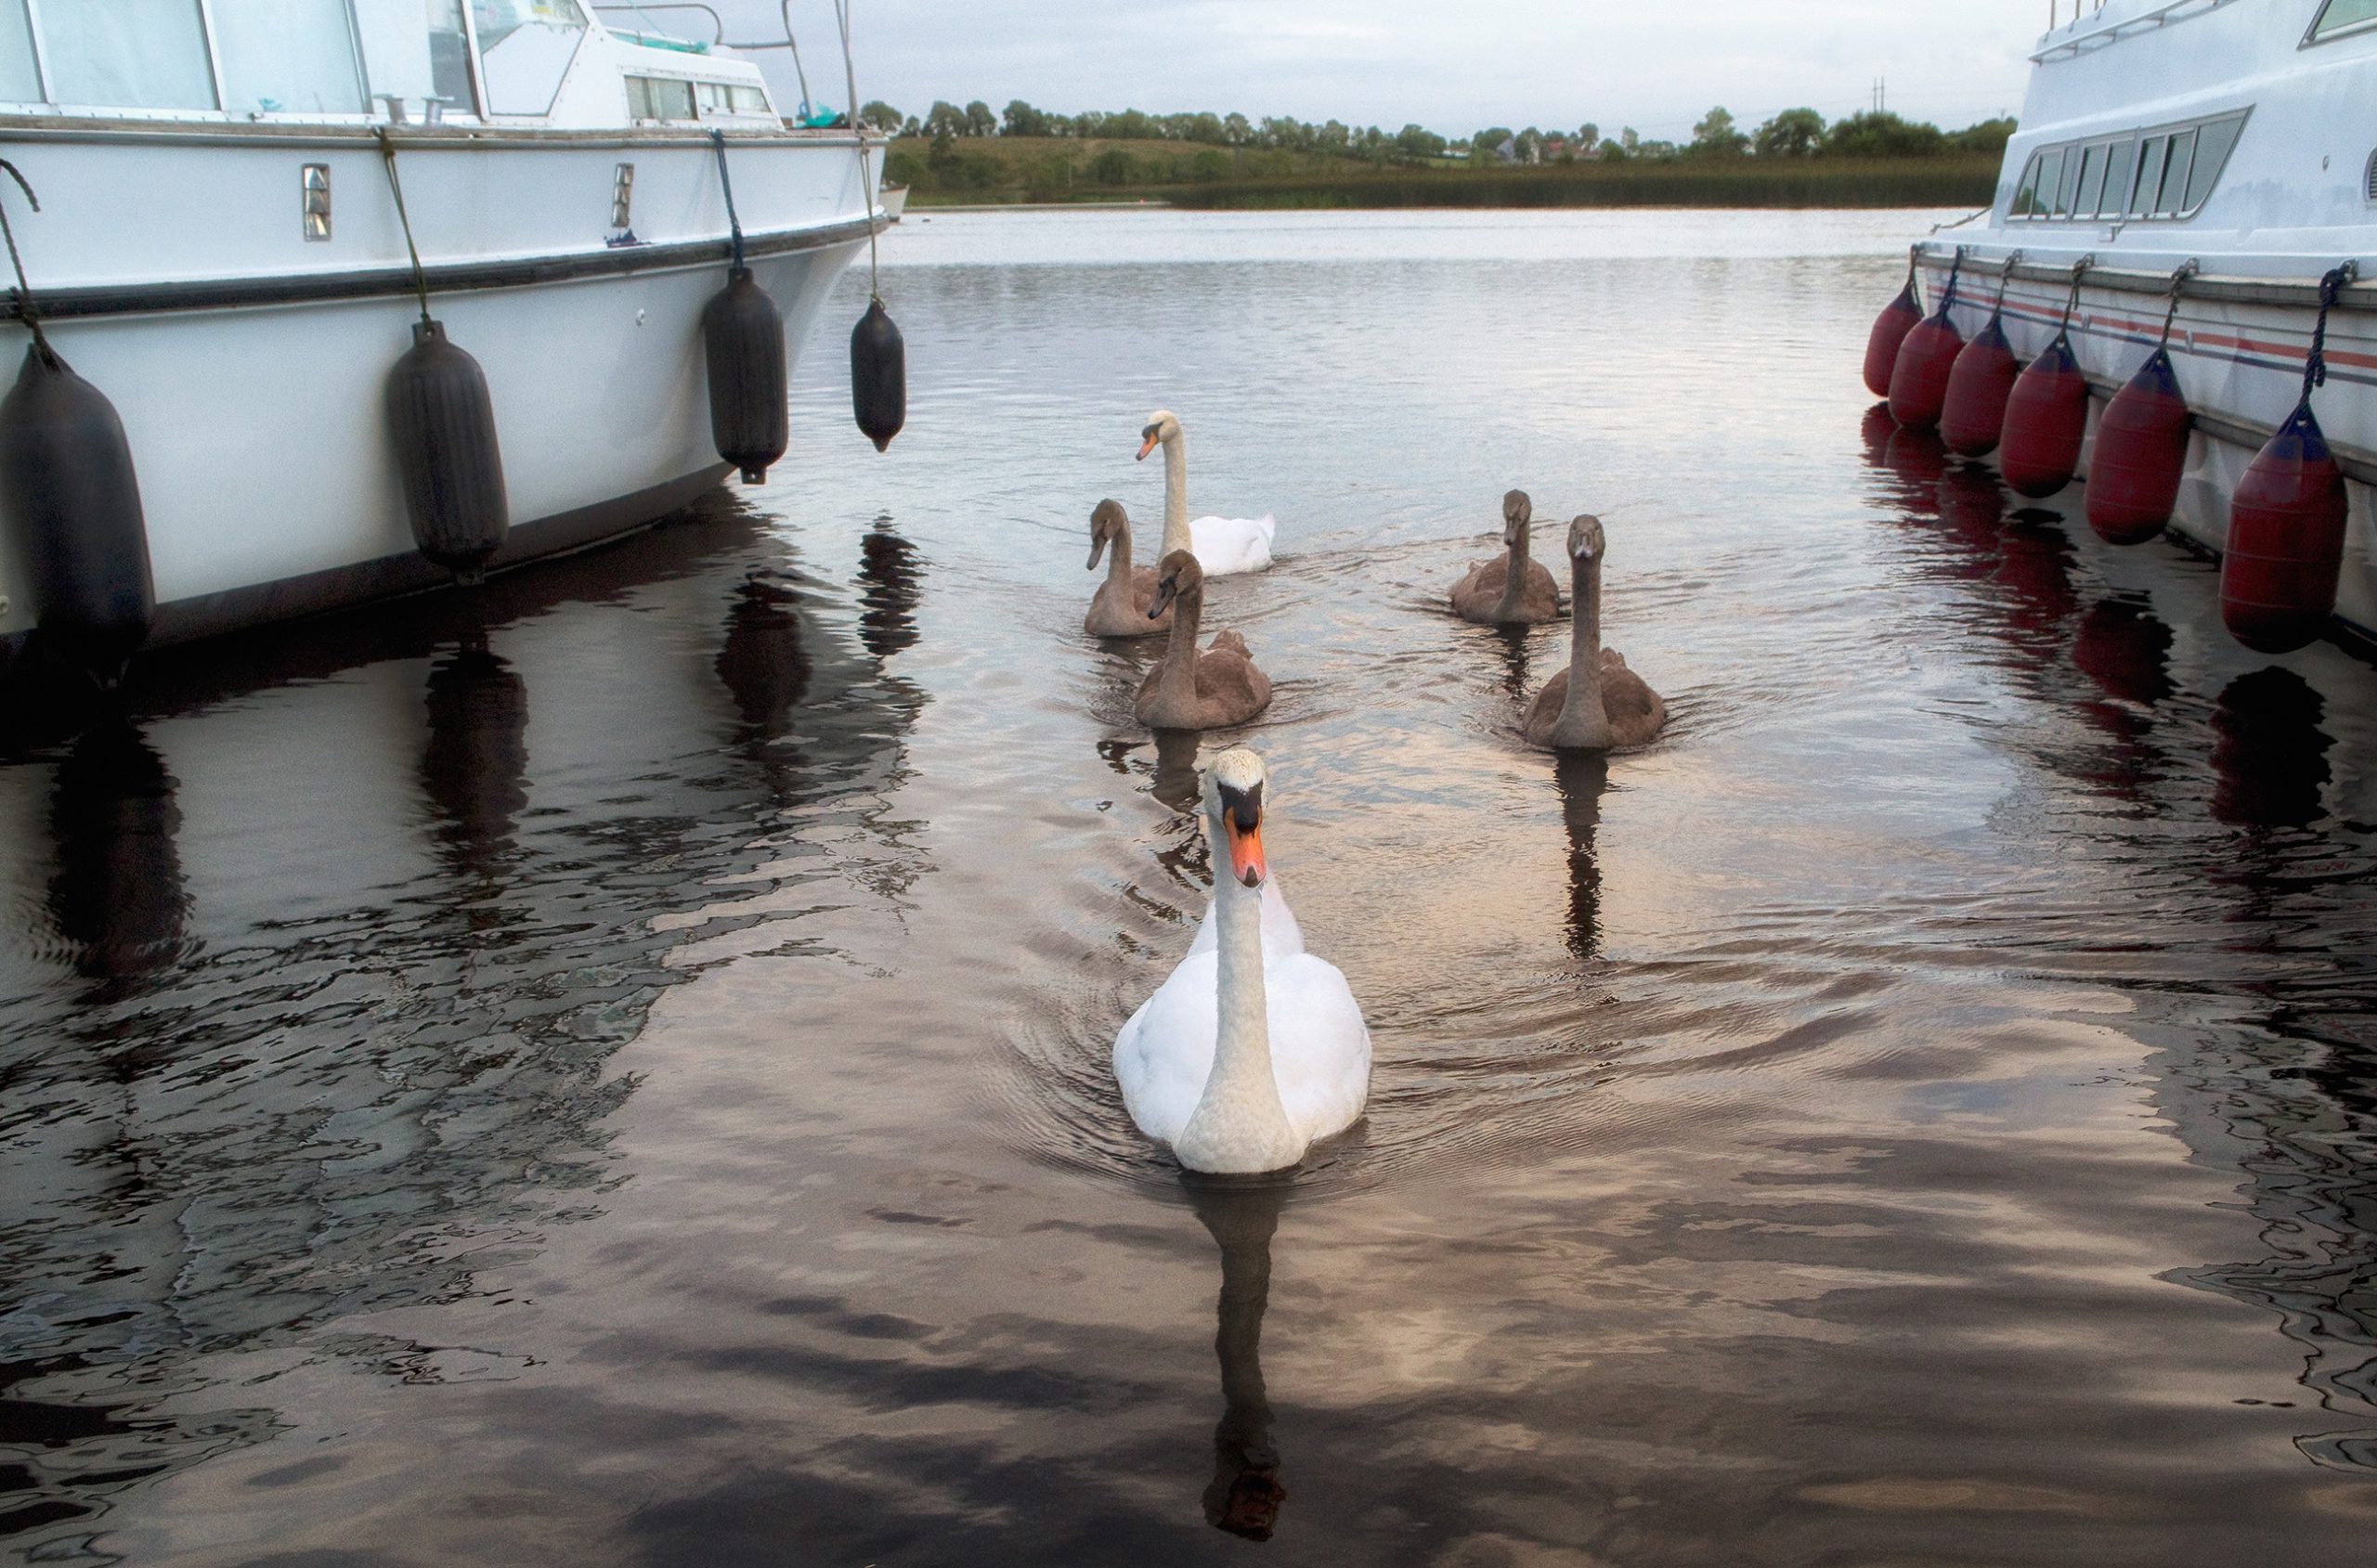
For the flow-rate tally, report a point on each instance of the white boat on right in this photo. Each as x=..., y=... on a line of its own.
x=2228, y=147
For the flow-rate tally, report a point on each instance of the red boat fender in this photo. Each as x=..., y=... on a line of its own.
x=2278, y=575
x=2046, y=415
x=2142, y=455
x=1920, y=378
x=1974, y=414
x=1890, y=327
x=2047, y=419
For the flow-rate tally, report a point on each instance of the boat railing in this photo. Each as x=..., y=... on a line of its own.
x=2106, y=33
x=660, y=40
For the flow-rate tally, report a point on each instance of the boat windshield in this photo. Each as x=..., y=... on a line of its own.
x=130, y=54
x=2342, y=15
x=415, y=52
x=525, y=49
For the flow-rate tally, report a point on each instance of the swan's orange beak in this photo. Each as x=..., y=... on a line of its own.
x=1246, y=852
x=1147, y=446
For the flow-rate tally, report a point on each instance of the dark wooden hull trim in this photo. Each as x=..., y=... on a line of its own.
x=233, y=294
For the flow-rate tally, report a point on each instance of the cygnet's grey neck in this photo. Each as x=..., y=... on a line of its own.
x=1514, y=577
x=1178, y=680
x=1583, y=723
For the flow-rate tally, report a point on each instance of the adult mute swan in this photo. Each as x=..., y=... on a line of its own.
x=1247, y=1054
x=1121, y=606
x=1514, y=588
x=1222, y=545
x=1596, y=703
x=1194, y=689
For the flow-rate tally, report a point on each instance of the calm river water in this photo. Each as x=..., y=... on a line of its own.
x=617, y=1073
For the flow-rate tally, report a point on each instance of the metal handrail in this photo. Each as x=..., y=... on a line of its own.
x=2098, y=37
x=717, y=22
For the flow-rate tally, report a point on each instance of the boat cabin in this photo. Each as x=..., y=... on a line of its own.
x=547, y=63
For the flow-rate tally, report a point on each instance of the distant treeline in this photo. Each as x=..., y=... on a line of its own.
x=1794, y=133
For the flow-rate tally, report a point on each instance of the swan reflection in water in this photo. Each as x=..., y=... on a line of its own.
x=117, y=897
x=1581, y=777
x=1244, y=1495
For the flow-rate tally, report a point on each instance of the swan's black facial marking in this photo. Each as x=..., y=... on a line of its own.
x=1151, y=433
x=1243, y=806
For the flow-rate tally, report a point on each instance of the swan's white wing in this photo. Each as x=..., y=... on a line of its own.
x=1165, y=1052
x=1320, y=1048
x=1281, y=932
x=1224, y=545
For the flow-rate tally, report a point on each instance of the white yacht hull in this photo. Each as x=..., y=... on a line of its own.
x=2277, y=186
x=249, y=366
x=2241, y=363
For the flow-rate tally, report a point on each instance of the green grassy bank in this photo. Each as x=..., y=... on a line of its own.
x=1034, y=169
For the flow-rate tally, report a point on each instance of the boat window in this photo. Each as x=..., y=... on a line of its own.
x=127, y=54
x=2026, y=195
x=287, y=57
x=2339, y=17
x=2213, y=145
x=2175, y=175
x=730, y=97
x=19, y=75
x=2092, y=182
x=416, y=51
x=2070, y=187
x=2120, y=165
x=2050, y=177
x=2149, y=173
x=525, y=50
x=659, y=97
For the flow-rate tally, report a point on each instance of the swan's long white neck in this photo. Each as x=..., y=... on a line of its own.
x=1176, y=496
x=1583, y=724
x=1240, y=1124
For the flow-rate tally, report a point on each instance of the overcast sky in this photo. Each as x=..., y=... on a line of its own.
x=1451, y=65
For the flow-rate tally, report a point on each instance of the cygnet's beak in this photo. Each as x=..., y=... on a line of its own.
x=1096, y=549
x=1147, y=441
x=1242, y=817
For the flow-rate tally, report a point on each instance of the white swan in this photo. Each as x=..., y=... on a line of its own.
x=1222, y=545
x=1251, y=1050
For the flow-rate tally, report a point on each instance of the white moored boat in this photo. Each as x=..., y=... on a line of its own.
x=218, y=250
x=2232, y=141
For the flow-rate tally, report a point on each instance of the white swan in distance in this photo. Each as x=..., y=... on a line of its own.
x=1252, y=1050
x=1222, y=545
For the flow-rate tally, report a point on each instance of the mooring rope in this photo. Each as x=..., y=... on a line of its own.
x=734, y=224
x=2315, y=363
x=396, y=190
x=24, y=288
x=2005, y=276
x=866, y=174
x=2179, y=275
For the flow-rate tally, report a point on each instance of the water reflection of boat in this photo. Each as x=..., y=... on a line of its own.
x=118, y=895
x=396, y=980
x=1245, y=1495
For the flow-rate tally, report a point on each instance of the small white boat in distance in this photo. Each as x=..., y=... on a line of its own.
x=218, y=251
